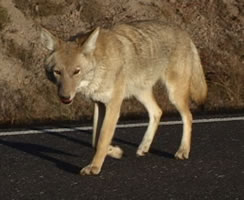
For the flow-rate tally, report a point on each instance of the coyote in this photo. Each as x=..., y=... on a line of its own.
x=109, y=65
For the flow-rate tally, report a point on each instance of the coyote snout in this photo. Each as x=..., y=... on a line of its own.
x=66, y=84
x=109, y=65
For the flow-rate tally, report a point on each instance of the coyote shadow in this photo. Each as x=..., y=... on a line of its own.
x=42, y=152
x=151, y=151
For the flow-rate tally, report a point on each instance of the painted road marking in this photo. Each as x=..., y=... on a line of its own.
x=39, y=130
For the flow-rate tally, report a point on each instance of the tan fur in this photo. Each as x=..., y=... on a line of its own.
x=109, y=65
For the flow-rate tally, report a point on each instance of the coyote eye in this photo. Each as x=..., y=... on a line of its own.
x=57, y=72
x=77, y=71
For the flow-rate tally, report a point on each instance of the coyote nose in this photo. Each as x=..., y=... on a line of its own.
x=64, y=97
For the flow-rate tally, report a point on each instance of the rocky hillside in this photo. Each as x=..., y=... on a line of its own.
x=216, y=26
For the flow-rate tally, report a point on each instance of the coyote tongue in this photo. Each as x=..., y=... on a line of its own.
x=66, y=101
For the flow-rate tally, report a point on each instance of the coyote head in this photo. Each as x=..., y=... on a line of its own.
x=69, y=65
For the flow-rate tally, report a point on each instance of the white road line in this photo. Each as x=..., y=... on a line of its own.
x=39, y=130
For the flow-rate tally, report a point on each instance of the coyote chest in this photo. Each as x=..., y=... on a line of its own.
x=95, y=90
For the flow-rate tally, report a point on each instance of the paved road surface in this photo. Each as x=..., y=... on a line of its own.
x=46, y=165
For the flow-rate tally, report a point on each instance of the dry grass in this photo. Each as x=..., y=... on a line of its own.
x=19, y=52
x=40, y=8
x=4, y=18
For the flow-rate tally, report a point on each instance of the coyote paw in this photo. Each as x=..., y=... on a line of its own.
x=90, y=170
x=182, y=154
x=142, y=150
x=115, y=152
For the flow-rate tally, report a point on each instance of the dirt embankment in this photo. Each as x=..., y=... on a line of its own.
x=216, y=26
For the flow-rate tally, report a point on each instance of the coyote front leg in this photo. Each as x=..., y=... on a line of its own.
x=98, y=118
x=107, y=131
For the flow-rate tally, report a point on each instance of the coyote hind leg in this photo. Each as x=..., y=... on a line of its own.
x=185, y=145
x=179, y=96
x=98, y=117
x=155, y=113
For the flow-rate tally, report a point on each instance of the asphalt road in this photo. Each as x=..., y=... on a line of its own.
x=46, y=165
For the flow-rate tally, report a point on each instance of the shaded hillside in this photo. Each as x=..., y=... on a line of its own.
x=217, y=28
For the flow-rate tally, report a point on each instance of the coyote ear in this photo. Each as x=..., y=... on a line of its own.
x=48, y=40
x=90, y=44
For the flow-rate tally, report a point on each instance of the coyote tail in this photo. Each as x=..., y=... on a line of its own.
x=198, y=87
